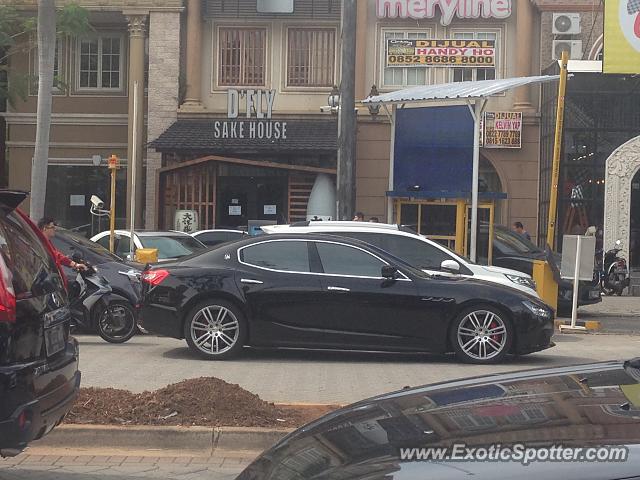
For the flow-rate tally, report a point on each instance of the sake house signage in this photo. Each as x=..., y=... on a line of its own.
x=446, y=9
x=249, y=117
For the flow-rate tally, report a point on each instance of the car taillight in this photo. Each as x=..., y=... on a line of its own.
x=154, y=277
x=7, y=294
x=47, y=245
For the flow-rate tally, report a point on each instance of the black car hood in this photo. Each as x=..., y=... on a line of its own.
x=583, y=406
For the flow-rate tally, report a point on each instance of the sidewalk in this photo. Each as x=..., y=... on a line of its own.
x=614, y=306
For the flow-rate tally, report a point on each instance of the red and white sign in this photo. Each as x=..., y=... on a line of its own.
x=447, y=9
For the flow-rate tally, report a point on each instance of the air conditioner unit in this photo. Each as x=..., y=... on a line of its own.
x=574, y=47
x=566, y=24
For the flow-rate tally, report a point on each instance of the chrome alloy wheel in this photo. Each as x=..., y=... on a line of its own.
x=482, y=335
x=214, y=329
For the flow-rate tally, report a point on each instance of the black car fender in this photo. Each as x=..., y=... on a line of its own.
x=222, y=295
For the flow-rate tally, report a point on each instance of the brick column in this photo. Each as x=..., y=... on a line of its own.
x=164, y=71
x=137, y=31
x=192, y=101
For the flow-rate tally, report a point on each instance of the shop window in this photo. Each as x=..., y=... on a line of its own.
x=242, y=56
x=311, y=57
x=99, y=62
x=464, y=74
x=406, y=76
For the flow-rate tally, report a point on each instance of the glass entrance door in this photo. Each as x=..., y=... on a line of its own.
x=441, y=222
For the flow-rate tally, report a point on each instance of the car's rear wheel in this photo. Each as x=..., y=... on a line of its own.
x=481, y=334
x=215, y=329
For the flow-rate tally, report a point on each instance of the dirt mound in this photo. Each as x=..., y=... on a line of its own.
x=204, y=401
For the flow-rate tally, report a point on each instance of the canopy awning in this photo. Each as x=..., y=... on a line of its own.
x=457, y=90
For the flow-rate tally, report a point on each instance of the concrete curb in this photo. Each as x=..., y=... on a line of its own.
x=590, y=325
x=204, y=439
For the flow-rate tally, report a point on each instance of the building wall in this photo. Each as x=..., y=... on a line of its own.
x=289, y=100
x=372, y=167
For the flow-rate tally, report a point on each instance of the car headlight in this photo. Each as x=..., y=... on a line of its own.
x=524, y=281
x=537, y=310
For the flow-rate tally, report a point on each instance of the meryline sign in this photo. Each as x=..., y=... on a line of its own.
x=258, y=108
x=448, y=9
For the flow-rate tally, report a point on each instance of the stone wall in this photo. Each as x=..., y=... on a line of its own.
x=164, y=72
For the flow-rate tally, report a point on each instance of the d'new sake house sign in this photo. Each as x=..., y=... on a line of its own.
x=446, y=9
x=249, y=117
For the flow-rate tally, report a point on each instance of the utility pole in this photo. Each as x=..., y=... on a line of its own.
x=346, y=182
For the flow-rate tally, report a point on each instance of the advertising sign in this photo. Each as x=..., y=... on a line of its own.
x=446, y=9
x=622, y=36
x=441, y=53
x=258, y=108
x=502, y=130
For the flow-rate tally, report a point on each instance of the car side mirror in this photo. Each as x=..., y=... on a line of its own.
x=450, y=266
x=389, y=271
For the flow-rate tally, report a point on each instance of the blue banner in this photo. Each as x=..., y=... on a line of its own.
x=433, y=151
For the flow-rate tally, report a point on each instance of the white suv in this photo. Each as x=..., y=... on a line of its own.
x=414, y=249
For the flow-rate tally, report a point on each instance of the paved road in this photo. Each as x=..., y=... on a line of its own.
x=149, y=362
x=87, y=465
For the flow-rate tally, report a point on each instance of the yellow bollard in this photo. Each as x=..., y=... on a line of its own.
x=147, y=255
x=546, y=285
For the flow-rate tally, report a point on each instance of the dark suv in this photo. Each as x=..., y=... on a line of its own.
x=39, y=377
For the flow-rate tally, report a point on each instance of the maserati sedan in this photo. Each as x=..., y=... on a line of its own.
x=329, y=292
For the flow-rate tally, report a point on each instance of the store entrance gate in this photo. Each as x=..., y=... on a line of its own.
x=448, y=222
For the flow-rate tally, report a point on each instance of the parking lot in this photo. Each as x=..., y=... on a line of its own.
x=149, y=362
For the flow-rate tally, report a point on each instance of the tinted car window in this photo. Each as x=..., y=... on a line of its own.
x=214, y=238
x=172, y=247
x=412, y=250
x=345, y=260
x=69, y=243
x=287, y=256
x=33, y=269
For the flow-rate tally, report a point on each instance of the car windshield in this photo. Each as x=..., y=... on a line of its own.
x=511, y=242
x=172, y=246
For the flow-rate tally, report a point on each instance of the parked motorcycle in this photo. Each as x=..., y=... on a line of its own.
x=613, y=273
x=94, y=305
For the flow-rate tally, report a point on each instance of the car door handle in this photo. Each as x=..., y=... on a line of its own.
x=339, y=289
x=250, y=281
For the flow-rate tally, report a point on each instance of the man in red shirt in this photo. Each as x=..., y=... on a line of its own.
x=48, y=228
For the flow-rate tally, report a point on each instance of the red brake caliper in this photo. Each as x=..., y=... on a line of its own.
x=497, y=337
x=636, y=26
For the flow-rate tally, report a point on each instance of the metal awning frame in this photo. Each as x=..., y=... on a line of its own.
x=475, y=95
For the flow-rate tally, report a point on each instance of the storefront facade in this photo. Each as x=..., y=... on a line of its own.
x=507, y=32
x=250, y=140
x=92, y=112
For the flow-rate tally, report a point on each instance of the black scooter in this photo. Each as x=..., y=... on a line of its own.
x=614, y=272
x=94, y=306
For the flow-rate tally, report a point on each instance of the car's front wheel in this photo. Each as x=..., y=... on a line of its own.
x=215, y=329
x=481, y=334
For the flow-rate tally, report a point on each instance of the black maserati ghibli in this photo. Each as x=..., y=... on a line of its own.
x=328, y=292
